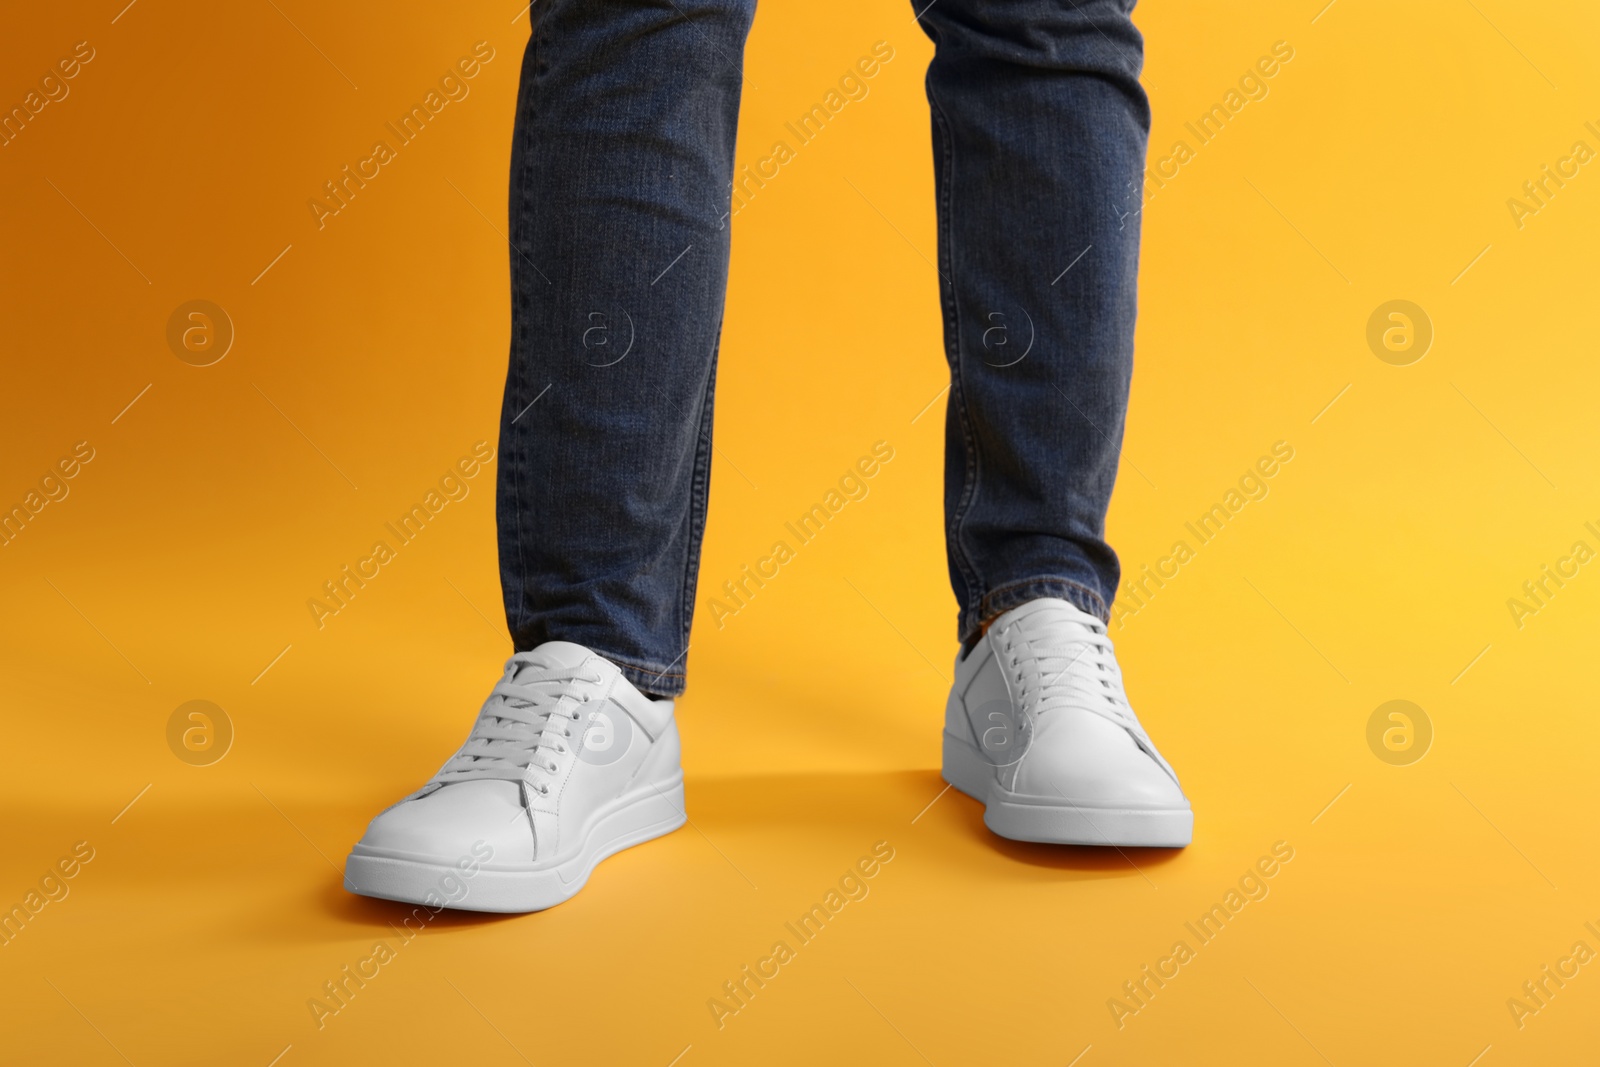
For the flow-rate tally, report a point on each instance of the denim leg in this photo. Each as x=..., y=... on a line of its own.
x=1039, y=129
x=620, y=176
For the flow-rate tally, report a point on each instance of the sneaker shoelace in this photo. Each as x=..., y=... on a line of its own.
x=1059, y=660
x=527, y=720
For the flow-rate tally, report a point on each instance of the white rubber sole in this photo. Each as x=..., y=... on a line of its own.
x=1055, y=821
x=632, y=819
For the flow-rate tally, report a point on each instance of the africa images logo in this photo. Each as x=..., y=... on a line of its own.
x=607, y=732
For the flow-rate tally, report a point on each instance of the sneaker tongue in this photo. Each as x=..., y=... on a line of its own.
x=559, y=654
x=1049, y=609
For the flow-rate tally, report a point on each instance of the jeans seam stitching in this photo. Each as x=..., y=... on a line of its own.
x=972, y=474
x=517, y=442
x=698, y=498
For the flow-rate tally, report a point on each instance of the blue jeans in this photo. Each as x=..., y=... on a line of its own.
x=621, y=178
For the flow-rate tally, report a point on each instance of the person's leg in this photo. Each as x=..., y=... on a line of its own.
x=620, y=177
x=620, y=184
x=1039, y=128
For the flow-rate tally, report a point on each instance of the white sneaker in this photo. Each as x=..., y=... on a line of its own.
x=1039, y=729
x=567, y=764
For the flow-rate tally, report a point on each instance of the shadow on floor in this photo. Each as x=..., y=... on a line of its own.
x=278, y=868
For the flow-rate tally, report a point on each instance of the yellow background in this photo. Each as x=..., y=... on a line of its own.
x=371, y=355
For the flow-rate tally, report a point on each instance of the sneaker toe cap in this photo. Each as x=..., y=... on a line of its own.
x=455, y=823
x=1088, y=760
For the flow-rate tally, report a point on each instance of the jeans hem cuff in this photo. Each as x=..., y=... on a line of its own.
x=998, y=601
x=652, y=683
